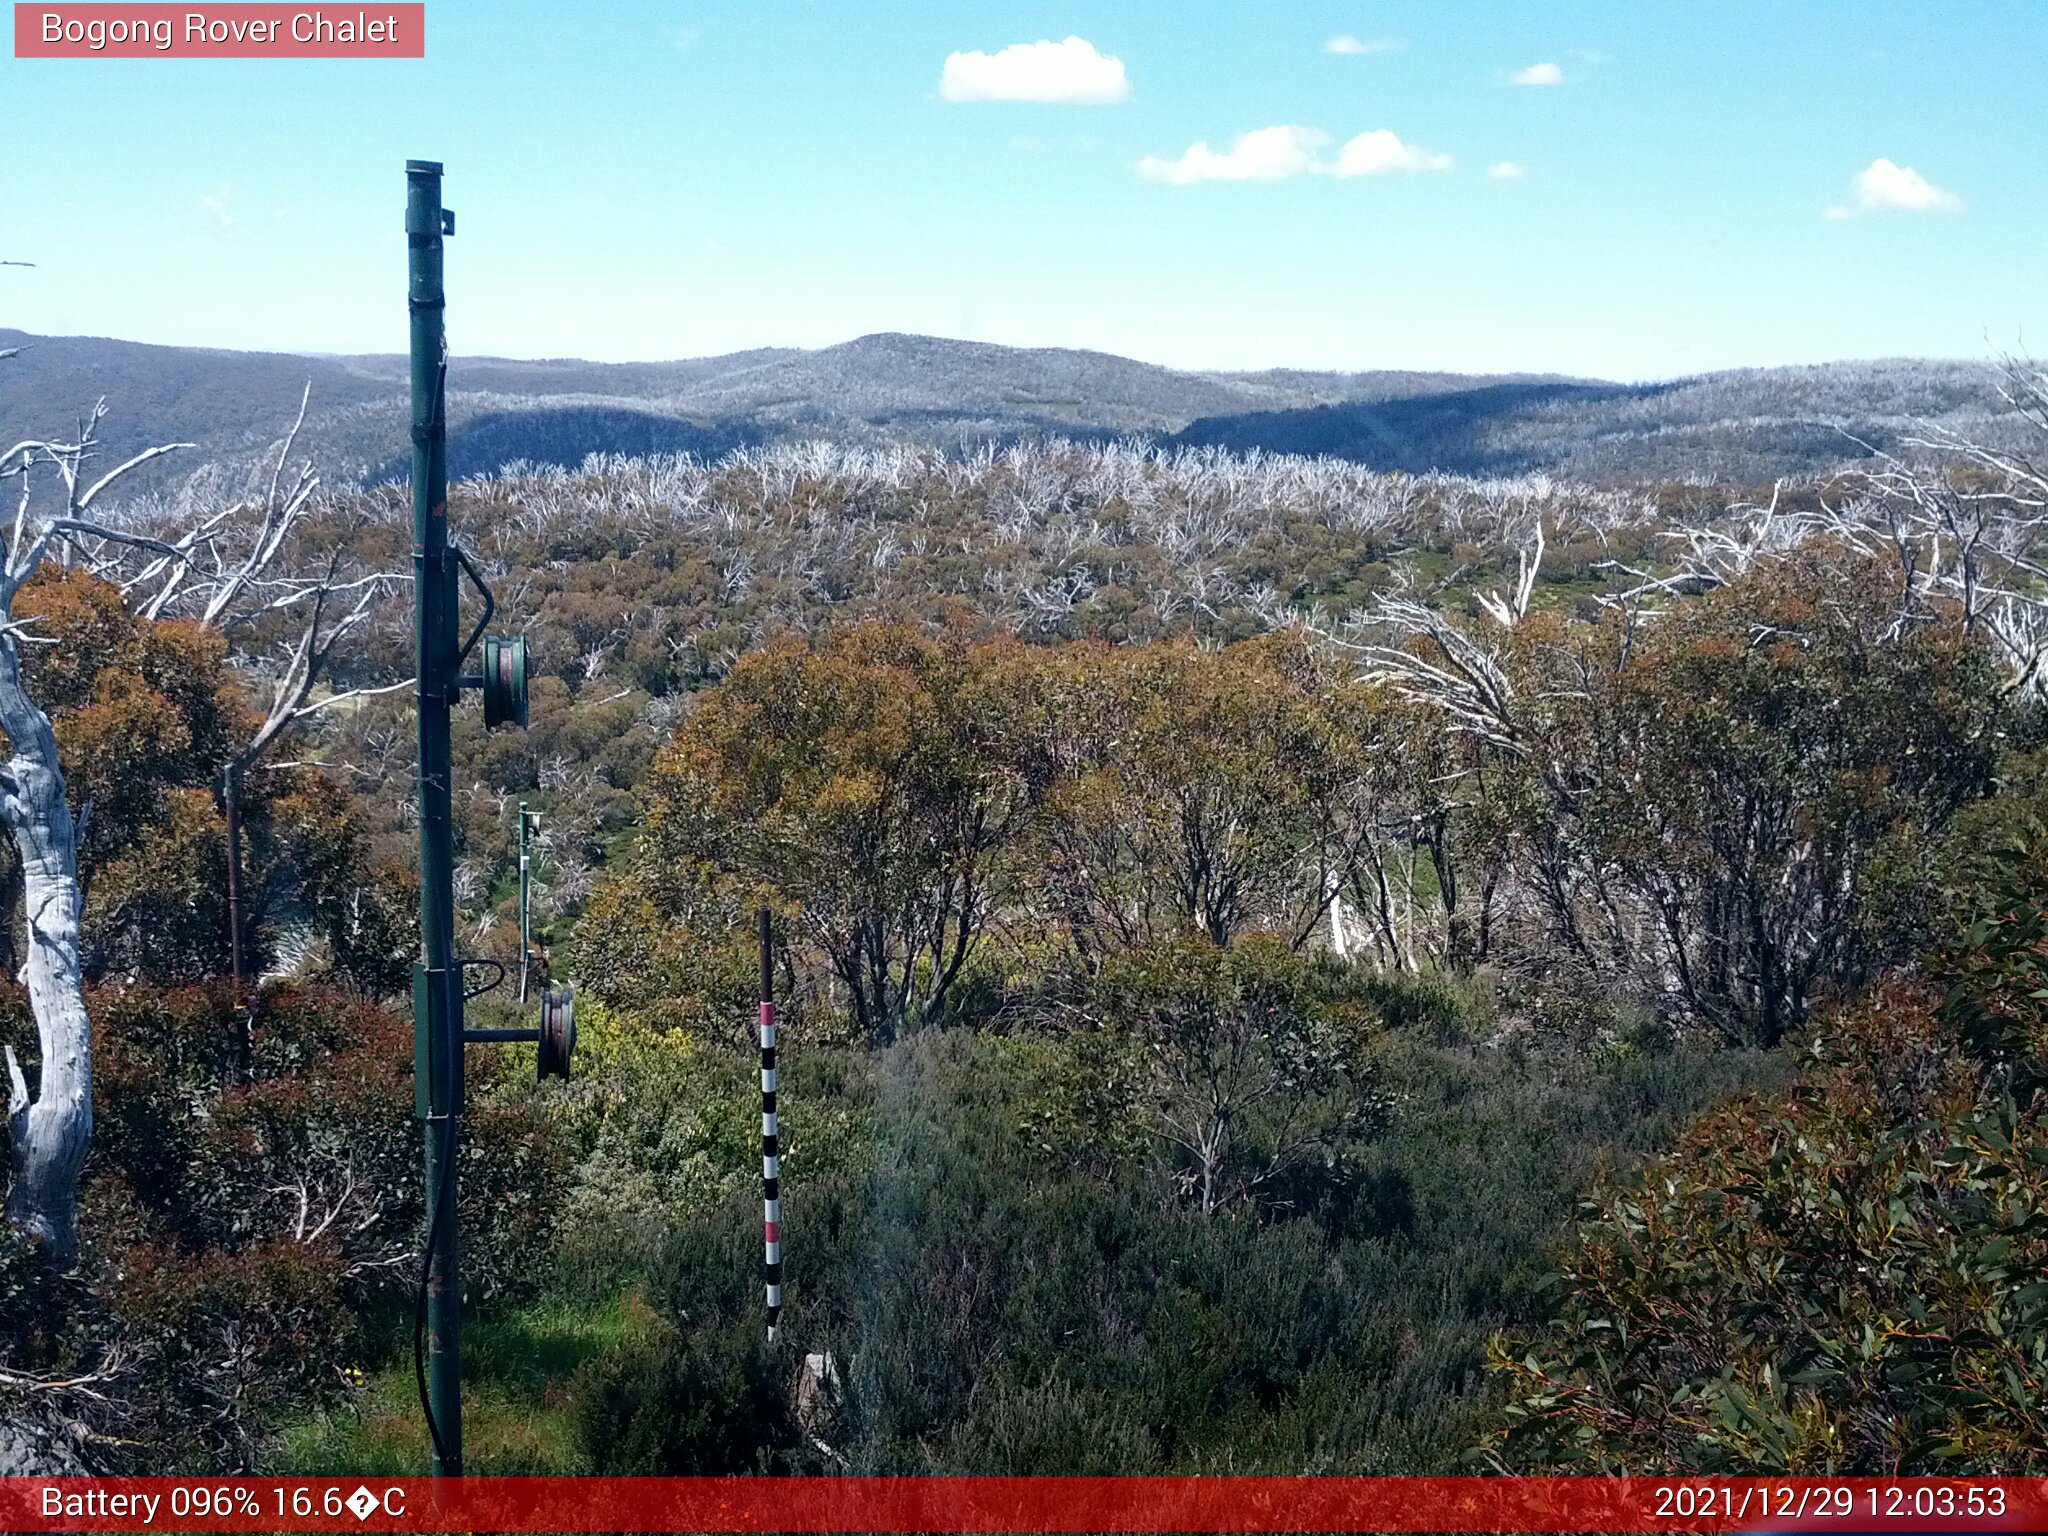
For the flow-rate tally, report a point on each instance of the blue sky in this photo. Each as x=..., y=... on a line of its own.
x=666, y=180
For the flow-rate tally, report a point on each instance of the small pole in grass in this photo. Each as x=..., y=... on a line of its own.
x=526, y=819
x=771, y=1158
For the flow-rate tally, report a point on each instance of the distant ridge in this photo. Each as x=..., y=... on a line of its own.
x=1747, y=424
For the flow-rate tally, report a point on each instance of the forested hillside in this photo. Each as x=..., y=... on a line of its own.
x=921, y=391
x=1746, y=425
x=1288, y=967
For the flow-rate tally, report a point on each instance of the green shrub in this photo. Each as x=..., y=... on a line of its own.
x=1994, y=964
x=1256, y=1063
x=702, y=1393
x=663, y=1127
x=1433, y=1002
x=995, y=1305
x=1839, y=1279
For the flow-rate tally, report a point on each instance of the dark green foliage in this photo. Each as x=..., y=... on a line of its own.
x=1994, y=964
x=1255, y=1074
x=1429, y=1002
x=706, y=1394
x=994, y=1307
x=372, y=931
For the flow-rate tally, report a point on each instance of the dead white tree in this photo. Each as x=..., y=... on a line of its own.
x=48, y=1131
x=1706, y=555
x=237, y=568
x=1428, y=658
x=1965, y=523
x=1506, y=610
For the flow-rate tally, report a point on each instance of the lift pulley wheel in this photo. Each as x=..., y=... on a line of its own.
x=504, y=681
x=557, y=1031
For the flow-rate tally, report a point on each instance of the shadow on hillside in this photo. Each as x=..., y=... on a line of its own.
x=1465, y=432
x=567, y=435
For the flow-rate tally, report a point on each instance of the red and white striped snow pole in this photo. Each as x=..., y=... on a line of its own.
x=771, y=1157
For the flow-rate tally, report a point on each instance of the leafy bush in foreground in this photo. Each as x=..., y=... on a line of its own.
x=1843, y=1278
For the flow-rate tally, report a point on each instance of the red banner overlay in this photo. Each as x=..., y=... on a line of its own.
x=372, y=30
x=1067, y=1504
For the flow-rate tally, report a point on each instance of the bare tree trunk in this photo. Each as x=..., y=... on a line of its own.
x=245, y=1005
x=230, y=794
x=48, y=1134
x=1340, y=941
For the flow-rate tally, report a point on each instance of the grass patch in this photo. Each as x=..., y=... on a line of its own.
x=517, y=1417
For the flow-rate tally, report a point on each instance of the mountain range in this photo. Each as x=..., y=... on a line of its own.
x=1745, y=425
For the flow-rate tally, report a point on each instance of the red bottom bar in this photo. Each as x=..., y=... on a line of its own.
x=1842, y=1506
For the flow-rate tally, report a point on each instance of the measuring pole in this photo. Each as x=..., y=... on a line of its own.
x=437, y=981
x=771, y=1136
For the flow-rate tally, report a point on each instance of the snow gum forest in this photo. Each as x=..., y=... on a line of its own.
x=1285, y=967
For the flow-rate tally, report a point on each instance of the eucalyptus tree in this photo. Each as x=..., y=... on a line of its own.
x=244, y=566
x=234, y=565
x=1710, y=803
x=871, y=781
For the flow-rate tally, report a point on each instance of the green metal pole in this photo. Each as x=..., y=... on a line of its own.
x=437, y=981
x=525, y=928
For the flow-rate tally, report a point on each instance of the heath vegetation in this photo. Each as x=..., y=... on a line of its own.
x=1286, y=967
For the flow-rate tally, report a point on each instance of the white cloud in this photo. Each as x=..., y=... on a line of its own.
x=1504, y=170
x=1537, y=74
x=1344, y=42
x=1072, y=71
x=1276, y=154
x=1381, y=151
x=221, y=205
x=1264, y=154
x=1886, y=187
